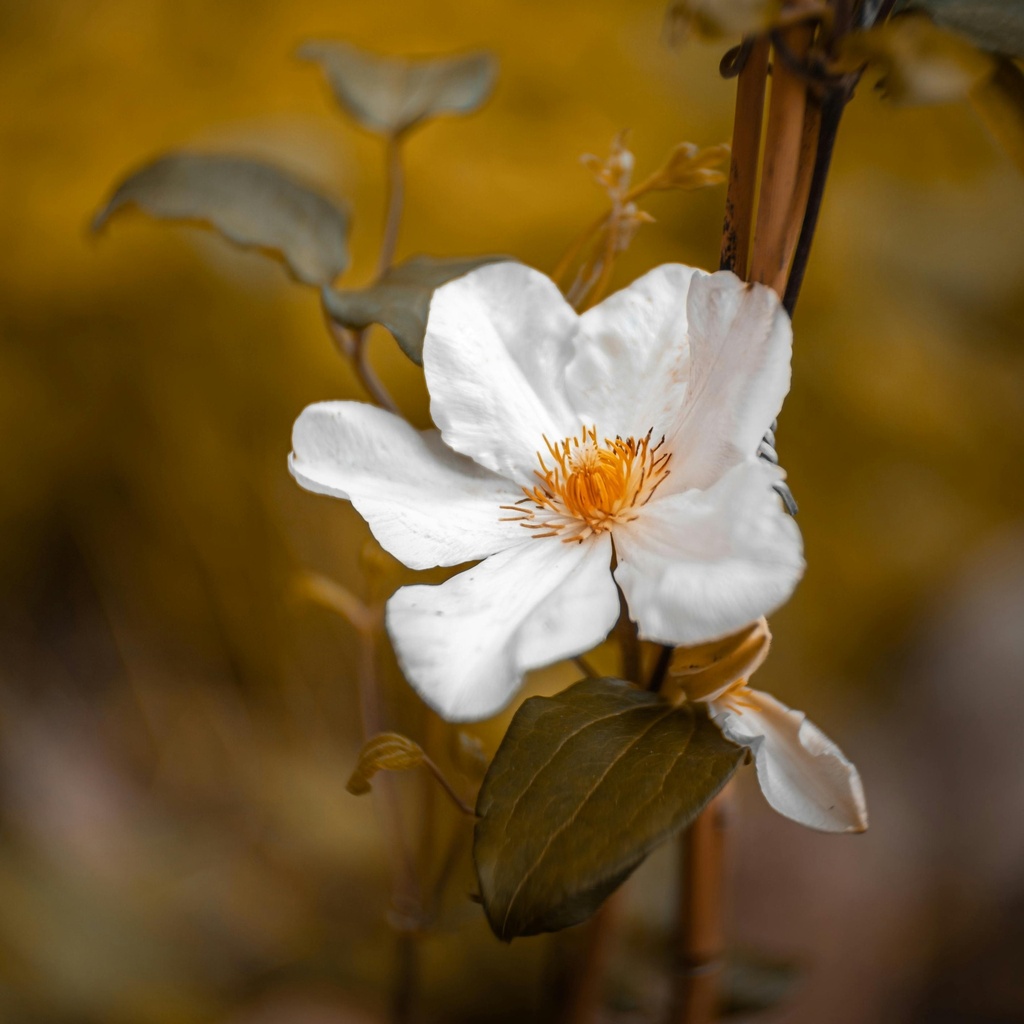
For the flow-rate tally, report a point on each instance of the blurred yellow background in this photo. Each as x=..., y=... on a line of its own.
x=176, y=727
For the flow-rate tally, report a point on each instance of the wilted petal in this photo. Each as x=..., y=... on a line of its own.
x=740, y=345
x=699, y=565
x=494, y=354
x=466, y=644
x=802, y=773
x=426, y=504
x=631, y=366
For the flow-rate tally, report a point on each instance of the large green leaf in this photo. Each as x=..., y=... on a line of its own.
x=400, y=300
x=584, y=785
x=251, y=203
x=994, y=25
x=390, y=95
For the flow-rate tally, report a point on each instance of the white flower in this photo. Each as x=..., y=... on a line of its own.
x=802, y=773
x=563, y=438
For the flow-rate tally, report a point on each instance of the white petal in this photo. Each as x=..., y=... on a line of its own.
x=426, y=504
x=740, y=346
x=699, y=565
x=631, y=366
x=465, y=645
x=802, y=773
x=494, y=354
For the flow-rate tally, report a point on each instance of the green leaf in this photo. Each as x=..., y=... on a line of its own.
x=387, y=751
x=390, y=95
x=584, y=785
x=715, y=19
x=920, y=63
x=251, y=203
x=994, y=25
x=400, y=300
x=999, y=103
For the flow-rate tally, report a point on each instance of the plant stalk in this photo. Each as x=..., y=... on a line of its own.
x=746, y=140
x=395, y=203
x=700, y=938
x=785, y=142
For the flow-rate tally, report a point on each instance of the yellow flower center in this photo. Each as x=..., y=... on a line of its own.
x=587, y=486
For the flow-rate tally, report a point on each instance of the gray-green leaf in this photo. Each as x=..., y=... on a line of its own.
x=400, y=300
x=584, y=785
x=390, y=95
x=251, y=203
x=994, y=25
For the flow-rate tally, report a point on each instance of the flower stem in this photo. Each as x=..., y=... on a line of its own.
x=698, y=955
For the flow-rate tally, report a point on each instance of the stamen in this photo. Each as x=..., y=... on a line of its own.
x=586, y=486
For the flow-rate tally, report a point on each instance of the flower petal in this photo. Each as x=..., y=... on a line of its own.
x=802, y=773
x=426, y=504
x=740, y=346
x=494, y=354
x=631, y=365
x=699, y=565
x=466, y=644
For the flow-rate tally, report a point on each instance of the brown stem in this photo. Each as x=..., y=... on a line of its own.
x=587, y=996
x=699, y=939
x=576, y=247
x=403, y=993
x=784, y=142
x=607, y=264
x=447, y=787
x=352, y=345
x=806, y=165
x=746, y=139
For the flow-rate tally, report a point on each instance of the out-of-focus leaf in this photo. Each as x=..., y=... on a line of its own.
x=251, y=203
x=920, y=63
x=400, y=300
x=387, y=751
x=994, y=25
x=715, y=19
x=999, y=102
x=584, y=785
x=393, y=94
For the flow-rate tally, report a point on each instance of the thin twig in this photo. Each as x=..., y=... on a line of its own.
x=368, y=376
x=576, y=247
x=352, y=345
x=700, y=937
x=587, y=997
x=831, y=113
x=607, y=263
x=395, y=202
x=447, y=787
